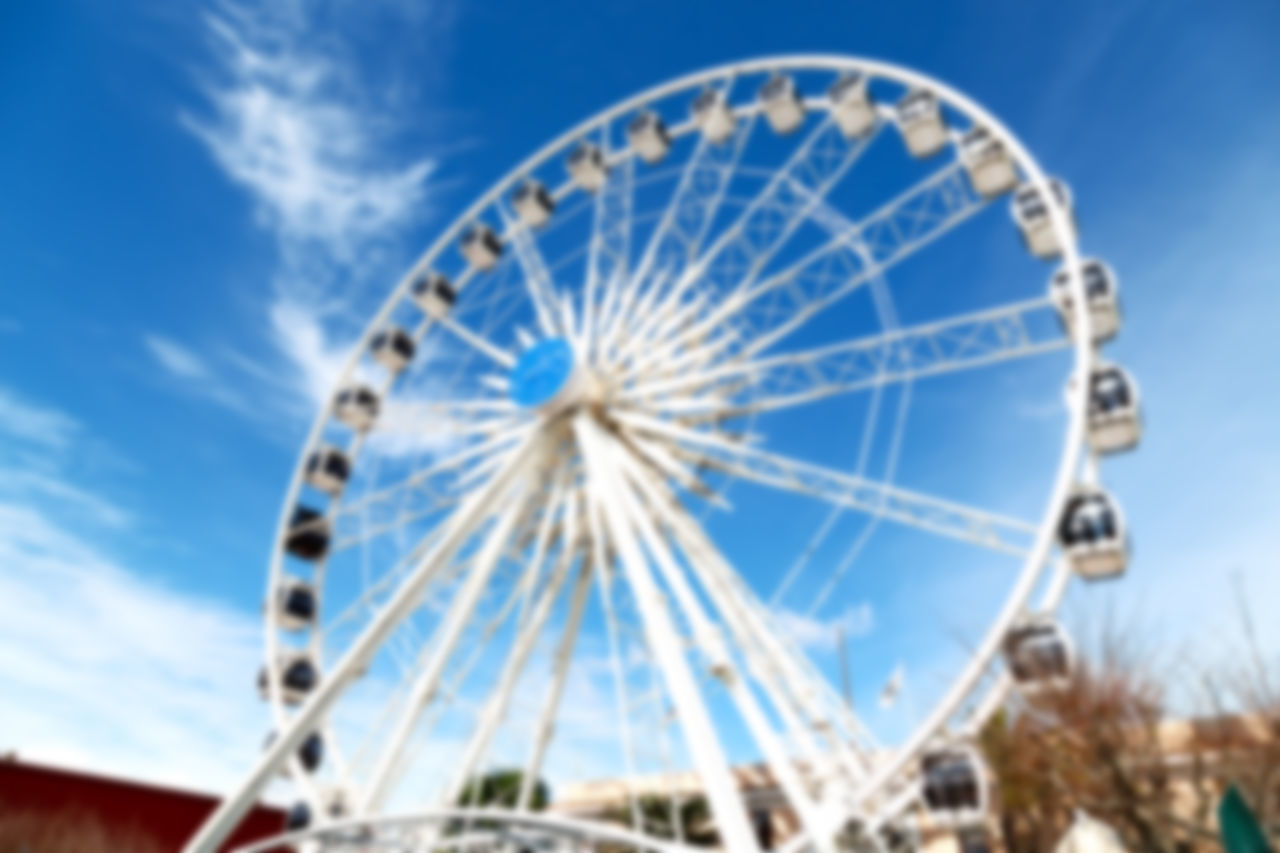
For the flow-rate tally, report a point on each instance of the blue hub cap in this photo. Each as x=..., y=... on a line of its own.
x=541, y=372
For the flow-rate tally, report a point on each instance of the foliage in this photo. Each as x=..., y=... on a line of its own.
x=499, y=788
x=502, y=788
x=689, y=818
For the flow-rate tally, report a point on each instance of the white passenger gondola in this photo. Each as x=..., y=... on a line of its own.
x=648, y=135
x=335, y=805
x=711, y=113
x=1038, y=653
x=393, y=348
x=987, y=163
x=297, y=674
x=920, y=119
x=533, y=203
x=356, y=406
x=298, y=817
x=1031, y=212
x=1115, y=419
x=434, y=294
x=783, y=106
x=1092, y=534
x=310, y=753
x=327, y=470
x=587, y=167
x=1101, y=295
x=481, y=246
x=295, y=604
x=308, y=535
x=851, y=105
x=954, y=784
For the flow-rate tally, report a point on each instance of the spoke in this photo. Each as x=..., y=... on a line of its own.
x=477, y=342
x=663, y=724
x=436, y=483
x=460, y=527
x=472, y=407
x=609, y=251
x=959, y=343
x=783, y=302
x=706, y=636
x=811, y=691
x=442, y=647
x=540, y=557
x=605, y=572
x=451, y=691
x=678, y=328
x=495, y=709
x=890, y=470
x=659, y=547
x=887, y=314
x=537, y=280
x=683, y=227
x=660, y=631
x=948, y=518
x=663, y=460
x=364, y=601
x=560, y=673
x=693, y=205
x=727, y=269
x=796, y=691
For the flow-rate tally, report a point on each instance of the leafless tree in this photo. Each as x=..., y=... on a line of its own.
x=1109, y=741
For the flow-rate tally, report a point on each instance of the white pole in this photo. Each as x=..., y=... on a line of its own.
x=445, y=639
x=660, y=631
x=564, y=654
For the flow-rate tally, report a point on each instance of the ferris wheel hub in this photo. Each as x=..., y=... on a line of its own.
x=548, y=377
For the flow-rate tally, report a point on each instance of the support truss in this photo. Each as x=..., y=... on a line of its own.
x=957, y=343
x=947, y=518
x=783, y=302
x=731, y=264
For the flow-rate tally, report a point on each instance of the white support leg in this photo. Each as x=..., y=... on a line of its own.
x=546, y=719
x=660, y=631
x=446, y=637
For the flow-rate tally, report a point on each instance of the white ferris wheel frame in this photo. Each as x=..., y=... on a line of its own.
x=878, y=794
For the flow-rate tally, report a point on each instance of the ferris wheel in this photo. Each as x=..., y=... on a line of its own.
x=707, y=361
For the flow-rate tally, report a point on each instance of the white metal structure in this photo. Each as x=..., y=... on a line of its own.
x=538, y=496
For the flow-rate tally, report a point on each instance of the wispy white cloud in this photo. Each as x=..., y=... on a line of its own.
x=817, y=634
x=25, y=420
x=176, y=358
x=24, y=483
x=111, y=672
x=102, y=668
x=292, y=125
x=291, y=117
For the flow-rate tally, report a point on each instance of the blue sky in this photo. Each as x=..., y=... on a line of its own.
x=204, y=202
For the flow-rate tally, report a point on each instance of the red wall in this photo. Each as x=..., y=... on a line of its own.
x=168, y=816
